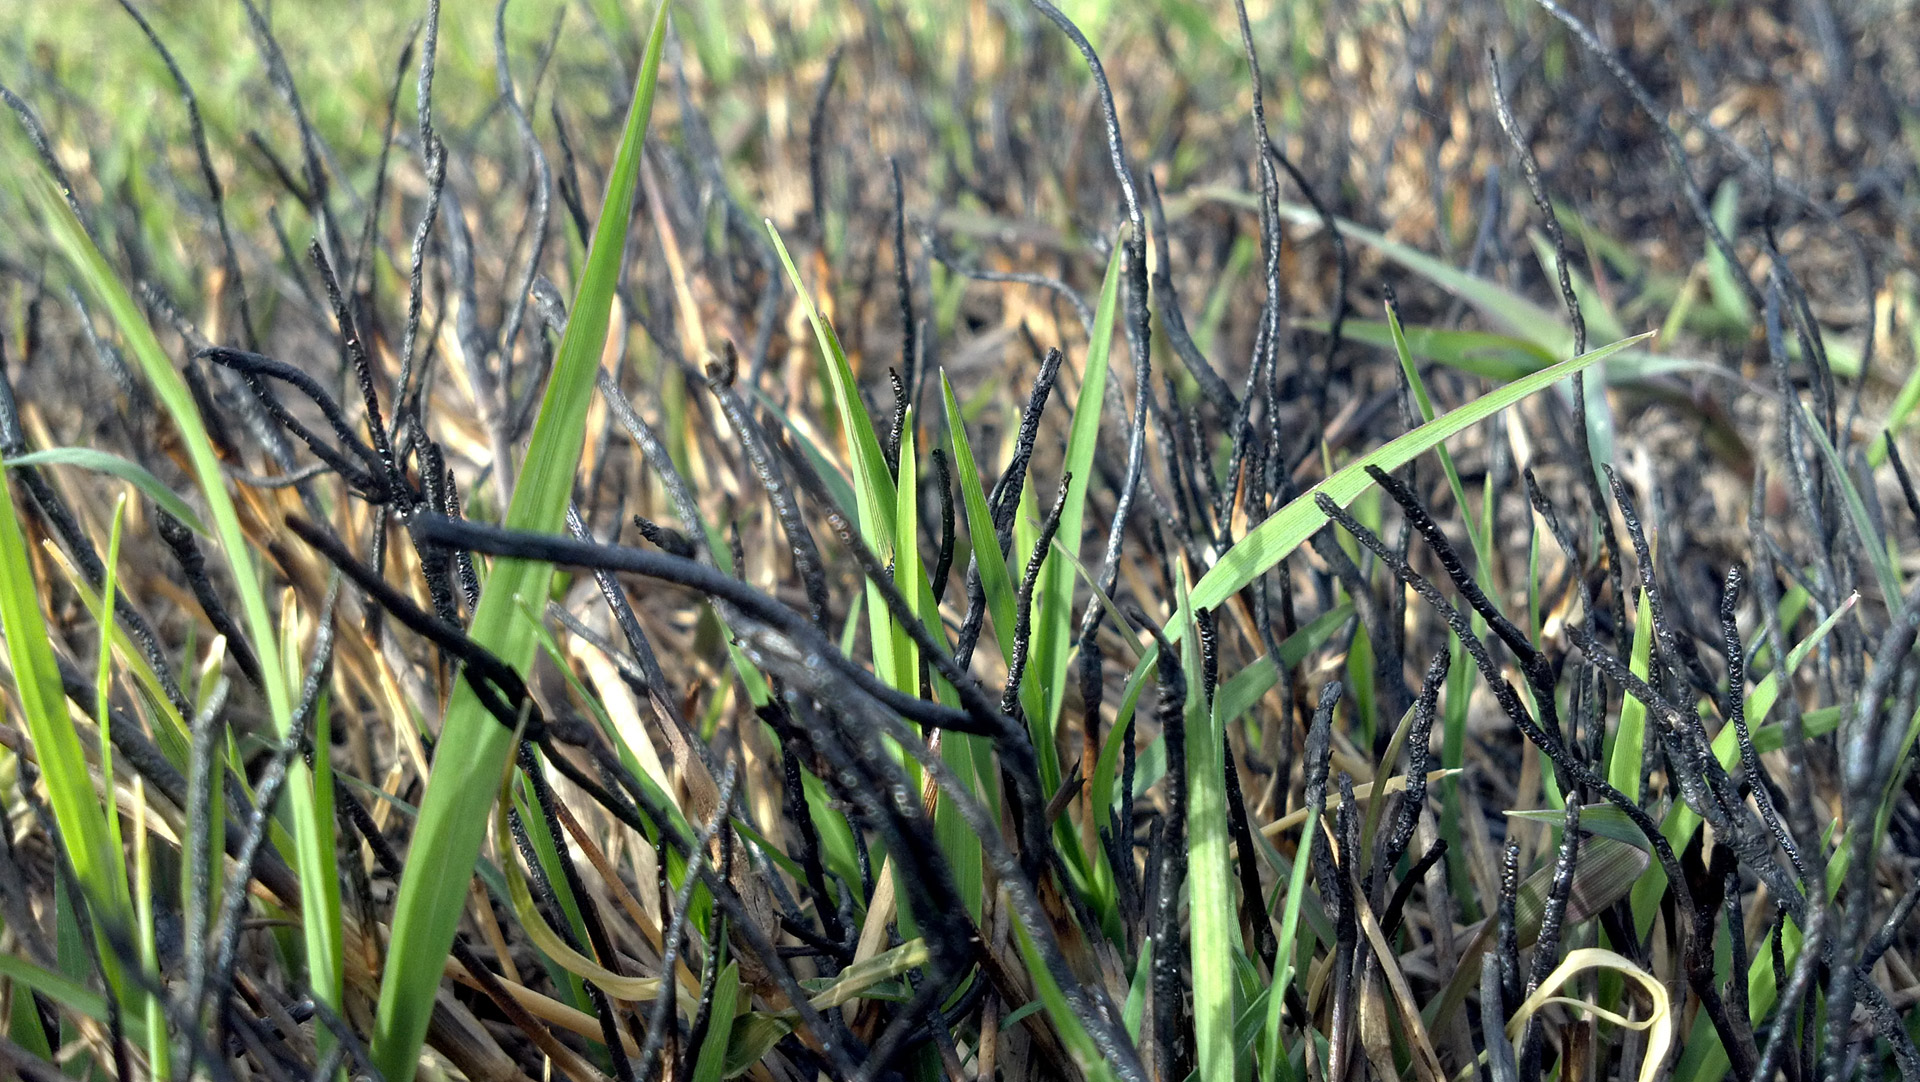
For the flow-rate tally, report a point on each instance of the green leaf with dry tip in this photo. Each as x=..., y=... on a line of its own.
x=473, y=747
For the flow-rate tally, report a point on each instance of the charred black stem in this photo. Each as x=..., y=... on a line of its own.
x=229, y=261
x=753, y=442
x=1164, y=917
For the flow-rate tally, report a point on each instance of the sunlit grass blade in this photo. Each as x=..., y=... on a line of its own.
x=712, y=1061
x=1624, y=762
x=1053, y=619
x=906, y=560
x=1485, y=354
x=77, y=809
x=1214, y=933
x=108, y=463
x=1273, y=1052
x=1482, y=546
x=874, y=492
x=473, y=746
x=320, y=922
x=103, y=673
x=994, y=577
x=957, y=840
x=1286, y=529
x=1630, y=736
x=1872, y=540
x=1237, y=694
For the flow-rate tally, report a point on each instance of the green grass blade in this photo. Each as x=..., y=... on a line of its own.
x=1729, y=299
x=1052, y=626
x=1602, y=321
x=138, y=915
x=712, y=1062
x=1072, y=1034
x=994, y=577
x=1136, y=1005
x=473, y=747
x=873, y=484
x=959, y=750
x=1272, y=1048
x=906, y=560
x=1237, y=694
x=1210, y=880
x=1108, y=764
x=63, y=765
x=1767, y=692
x=23, y=1016
x=319, y=869
x=1285, y=530
x=831, y=472
x=874, y=493
x=103, y=672
x=159, y=1051
x=172, y=391
x=1485, y=354
x=1629, y=750
x=126, y=470
x=67, y=992
x=1873, y=541
x=1481, y=553
x=1518, y=314
x=1630, y=738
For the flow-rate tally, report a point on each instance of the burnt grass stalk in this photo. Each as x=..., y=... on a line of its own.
x=1611, y=695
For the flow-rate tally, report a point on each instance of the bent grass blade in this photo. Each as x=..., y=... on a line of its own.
x=1287, y=528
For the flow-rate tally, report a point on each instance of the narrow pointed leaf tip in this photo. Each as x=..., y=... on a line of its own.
x=1287, y=528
